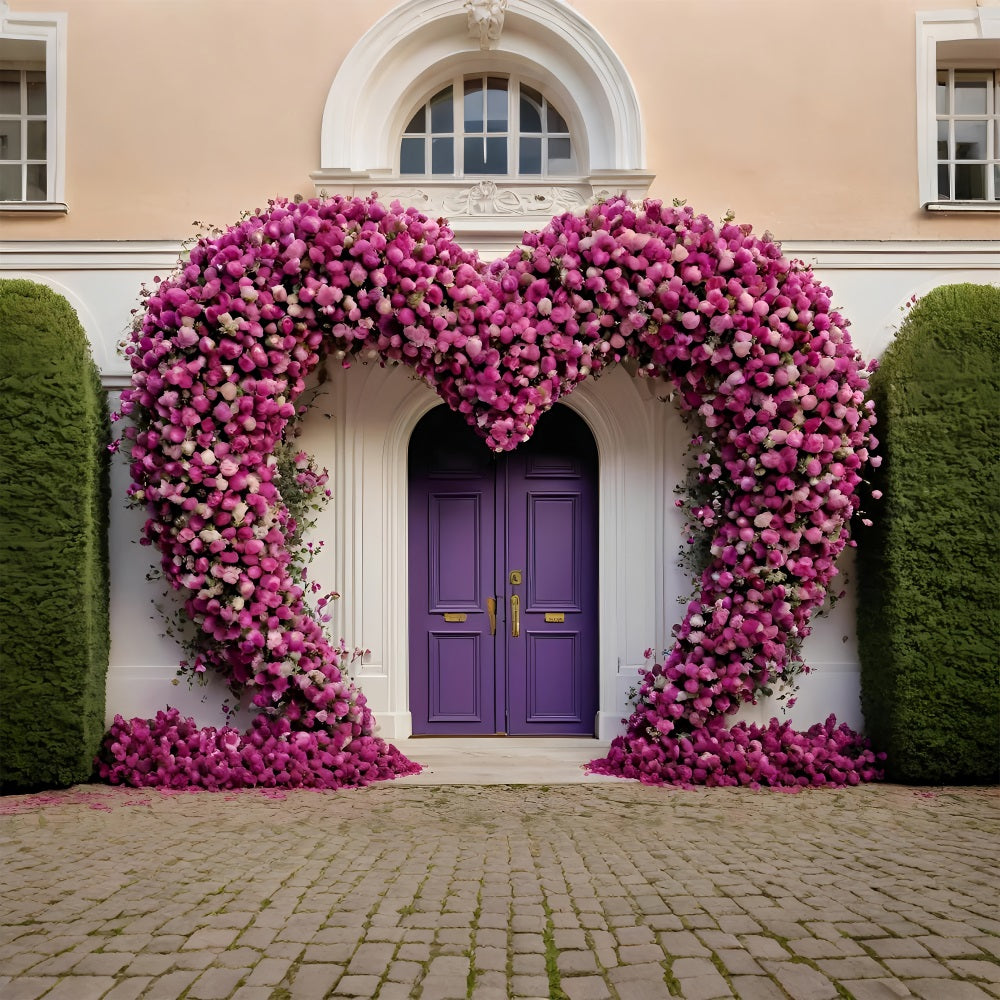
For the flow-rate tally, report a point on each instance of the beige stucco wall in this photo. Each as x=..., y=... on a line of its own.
x=797, y=114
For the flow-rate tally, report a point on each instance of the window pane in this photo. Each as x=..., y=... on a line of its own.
x=411, y=156
x=530, y=155
x=970, y=181
x=942, y=93
x=10, y=140
x=970, y=140
x=36, y=182
x=36, y=140
x=418, y=123
x=10, y=183
x=496, y=104
x=473, y=105
x=531, y=110
x=485, y=156
x=970, y=94
x=442, y=112
x=942, y=140
x=944, y=183
x=443, y=156
x=556, y=122
x=560, y=156
x=10, y=92
x=36, y=93
x=996, y=183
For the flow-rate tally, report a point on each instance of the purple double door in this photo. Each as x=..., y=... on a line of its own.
x=503, y=580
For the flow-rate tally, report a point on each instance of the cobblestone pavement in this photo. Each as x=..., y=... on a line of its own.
x=611, y=890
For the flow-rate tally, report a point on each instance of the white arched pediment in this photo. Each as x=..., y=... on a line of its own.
x=420, y=44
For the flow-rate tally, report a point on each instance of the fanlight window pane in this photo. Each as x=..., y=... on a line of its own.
x=496, y=105
x=442, y=112
x=530, y=155
x=418, y=123
x=411, y=156
x=473, y=105
x=531, y=110
x=443, y=156
x=485, y=156
x=495, y=134
x=555, y=121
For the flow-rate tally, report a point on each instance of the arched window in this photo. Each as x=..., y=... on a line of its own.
x=496, y=132
x=487, y=125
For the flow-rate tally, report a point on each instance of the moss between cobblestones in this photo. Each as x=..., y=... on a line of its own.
x=673, y=983
x=551, y=955
x=54, y=434
x=929, y=568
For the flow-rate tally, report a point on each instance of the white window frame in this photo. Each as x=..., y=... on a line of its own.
x=49, y=29
x=512, y=134
x=990, y=118
x=980, y=23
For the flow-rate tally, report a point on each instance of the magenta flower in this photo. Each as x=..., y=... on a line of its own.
x=746, y=338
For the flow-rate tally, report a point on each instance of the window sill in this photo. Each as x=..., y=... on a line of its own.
x=976, y=207
x=33, y=208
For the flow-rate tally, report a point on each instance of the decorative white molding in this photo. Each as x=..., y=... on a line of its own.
x=894, y=255
x=162, y=255
x=485, y=19
x=50, y=30
x=965, y=207
x=103, y=255
x=33, y=208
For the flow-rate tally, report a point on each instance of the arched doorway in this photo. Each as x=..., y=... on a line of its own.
x=503, y=580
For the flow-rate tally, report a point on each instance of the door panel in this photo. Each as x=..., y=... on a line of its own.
x=554, y=543
x=451, y=572
x=552, y=668
x=474, y=518
x=455, y=525
x=553, y=694
x=455, y=679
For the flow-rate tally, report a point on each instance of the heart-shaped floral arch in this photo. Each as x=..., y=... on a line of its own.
x=747, y=339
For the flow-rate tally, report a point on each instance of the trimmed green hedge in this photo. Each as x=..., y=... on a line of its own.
x=929, y=568
x=54, y=435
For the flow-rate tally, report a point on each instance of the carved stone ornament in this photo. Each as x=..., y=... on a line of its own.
x=485, y=20
x=486, y=198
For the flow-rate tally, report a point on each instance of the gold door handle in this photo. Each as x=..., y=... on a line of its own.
x=491, y=608
x=515, y=615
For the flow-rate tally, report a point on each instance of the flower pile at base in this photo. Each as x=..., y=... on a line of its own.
x=173, y=752
x=746, y=339
x=774, y=755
